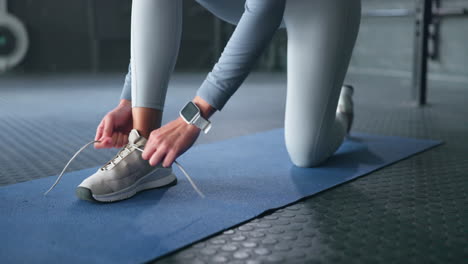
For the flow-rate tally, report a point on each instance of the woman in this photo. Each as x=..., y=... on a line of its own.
x=321, y=37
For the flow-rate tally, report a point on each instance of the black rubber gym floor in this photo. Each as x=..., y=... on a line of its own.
x=415, y=211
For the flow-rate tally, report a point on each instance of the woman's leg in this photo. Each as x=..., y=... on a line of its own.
x=321, y=38
x=155, y=38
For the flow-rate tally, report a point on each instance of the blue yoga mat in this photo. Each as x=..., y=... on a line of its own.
x=241, y=178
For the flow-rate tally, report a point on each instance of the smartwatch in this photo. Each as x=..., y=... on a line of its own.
x=191, y=114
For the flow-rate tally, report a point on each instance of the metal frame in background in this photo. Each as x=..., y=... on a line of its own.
x=19, y=32
x=427, y=14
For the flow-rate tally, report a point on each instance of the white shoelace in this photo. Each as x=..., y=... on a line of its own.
x=194, y=186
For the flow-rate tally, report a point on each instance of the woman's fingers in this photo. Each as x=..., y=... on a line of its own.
x=124, y=140
x=105, y=142
x=99, y=130
x=150, y=148
x=157, y=157
x=169, y=142
x=112, y=130
x=169, y=159
x=119, y=142
x=115, y=137
x=108, y=127
x=104, y=134
x=116, y=143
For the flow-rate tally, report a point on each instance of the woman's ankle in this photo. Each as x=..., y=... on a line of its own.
x=145, y=120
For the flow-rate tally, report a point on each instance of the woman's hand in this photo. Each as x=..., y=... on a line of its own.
x=115, y=126
x=169, y=142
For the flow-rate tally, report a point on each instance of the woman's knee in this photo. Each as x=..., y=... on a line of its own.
x=306, y=158
x=305, y=151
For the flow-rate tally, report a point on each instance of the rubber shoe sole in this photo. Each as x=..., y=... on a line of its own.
x=145, y=183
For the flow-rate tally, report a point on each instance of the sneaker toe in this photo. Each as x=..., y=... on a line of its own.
x=84, y=194
x=95, y=185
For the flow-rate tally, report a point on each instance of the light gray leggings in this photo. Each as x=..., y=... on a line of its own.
x=321, y=38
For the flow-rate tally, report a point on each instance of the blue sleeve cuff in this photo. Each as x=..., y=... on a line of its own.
x=213, y=95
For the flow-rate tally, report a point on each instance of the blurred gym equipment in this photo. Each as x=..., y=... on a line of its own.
x=14, y=41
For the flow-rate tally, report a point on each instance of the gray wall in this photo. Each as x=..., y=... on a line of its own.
x=63, y=38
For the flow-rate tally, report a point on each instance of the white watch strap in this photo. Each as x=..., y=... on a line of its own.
x=203, y=124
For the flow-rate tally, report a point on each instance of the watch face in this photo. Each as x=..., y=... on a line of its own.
x=189, y=111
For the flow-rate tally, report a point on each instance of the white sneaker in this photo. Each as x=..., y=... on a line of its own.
x=345, y=104
x=125, y=175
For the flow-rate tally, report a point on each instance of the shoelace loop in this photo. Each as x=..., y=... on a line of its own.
x=194, y=186
x=125, y=151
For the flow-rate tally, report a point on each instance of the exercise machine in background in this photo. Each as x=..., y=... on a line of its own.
x=14, y=41
x=427, y=16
